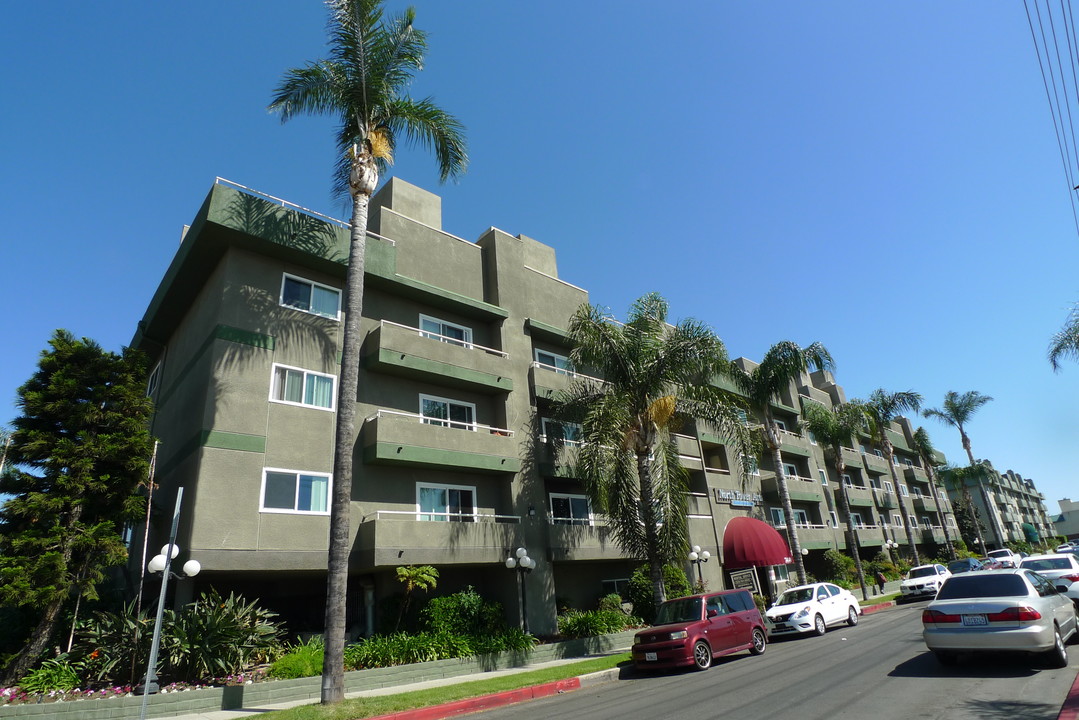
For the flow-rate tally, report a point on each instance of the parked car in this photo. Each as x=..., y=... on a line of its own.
x=1011, y=610
x=811, y=609
x=1008, y=558
x=923, y=581
x=965, y=565
x=1061, y=569
x=1066, y=547
x=989, y=563
x=696, y=629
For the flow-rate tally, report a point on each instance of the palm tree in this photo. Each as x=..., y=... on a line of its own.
x=881, y=409
x=784, y=363
x=958, y=479
x=423, y=577
x=924, y=447
x=1066, y=342
x=833, y=429
x=654, y=375
x=363, y=82
x=957, y=412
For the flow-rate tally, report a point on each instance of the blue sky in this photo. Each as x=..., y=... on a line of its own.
x=881, y=177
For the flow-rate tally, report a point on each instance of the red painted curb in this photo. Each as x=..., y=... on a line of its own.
x=1070, y=709
x=879, y=606
x=484, y=702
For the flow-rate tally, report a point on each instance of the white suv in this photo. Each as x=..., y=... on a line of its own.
x=924, y=580
x=1008, y=558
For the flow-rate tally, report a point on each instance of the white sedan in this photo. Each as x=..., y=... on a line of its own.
x=811, y=609
x=924, y=581
x=1062, y=569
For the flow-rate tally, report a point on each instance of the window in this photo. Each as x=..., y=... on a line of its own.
x=568, y=432
x=783, y=572
x=295, y=386
x=448, y=413
x=153, y=381
x=310, y=297
x=913, y=521
x=743, y=416
x=888, y=487
x=790, y=470
x=812, y=437
x=777, y=516
x=570, y=509
x=897, y=520
x=823, y=476
x=617, y=585
x=879, y=453
x=443, y=503
x=559, y=363
x=749, y=462
x=856, y=519
x=940, y=494
x=445, y=331
x=801, y=517
x=926, y=524
x=847, y=481
x=295, y=491
x=951, y=521
x=780, y=424
x=908, y=462
x=833, y=519
x=895, y=460
x=903, y=490
x=915, y=491
x=862, y=448
x=875, y=483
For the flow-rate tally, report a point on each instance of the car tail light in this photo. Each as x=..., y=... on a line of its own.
x=937, y=617
x=1074, y=577
x=1014, y=614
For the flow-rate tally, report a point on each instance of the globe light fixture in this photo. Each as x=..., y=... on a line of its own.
x=696, y=557
x=523, y=564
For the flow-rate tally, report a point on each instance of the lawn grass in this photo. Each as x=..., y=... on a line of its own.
x=366, y=707
x=877, y=600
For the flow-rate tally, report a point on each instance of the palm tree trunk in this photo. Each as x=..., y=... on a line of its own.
x=771, y=434
x=943, y=520
x=889, y=451
x=648, y=515
x=852, y=532
x=364, y=179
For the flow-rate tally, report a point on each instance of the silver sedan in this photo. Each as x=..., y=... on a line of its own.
x=1011, y=610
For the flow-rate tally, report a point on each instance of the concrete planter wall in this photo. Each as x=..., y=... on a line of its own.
x=278, y=691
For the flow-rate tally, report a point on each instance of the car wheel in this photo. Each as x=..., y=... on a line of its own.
x=702, y=655
x=1058, y=656
x=760, y=642
x=818, y=625
x=945, y=658
x=852, y=616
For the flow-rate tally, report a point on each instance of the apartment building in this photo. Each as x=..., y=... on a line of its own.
x=465, y=350
x=1009, y=506
x=1067, y=522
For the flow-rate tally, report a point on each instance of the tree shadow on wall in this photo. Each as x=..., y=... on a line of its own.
x=291, y=228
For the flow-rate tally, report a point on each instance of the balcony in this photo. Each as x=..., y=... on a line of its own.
x=413, y=353
x=852, y=457
x=799, y=488
x=815, y=537
x=925, y=503
x=548, y=381
x=876, y=464
x=581, y=541
x=915, y=474
x=885, y=500
x=794, y=443
x=557, y=462
x=391, y=437
x=857, y=496
x=389, y=538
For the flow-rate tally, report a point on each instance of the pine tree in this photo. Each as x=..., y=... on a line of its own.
x=79, y=450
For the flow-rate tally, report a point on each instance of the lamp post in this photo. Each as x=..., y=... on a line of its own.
x=163, y=564
x=698, y=556
x=524, y=565
x=891, y=546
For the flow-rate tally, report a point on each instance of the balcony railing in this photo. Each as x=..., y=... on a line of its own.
x=564, y=371
x=425, y=516
x=440, y=422
x=468, y=345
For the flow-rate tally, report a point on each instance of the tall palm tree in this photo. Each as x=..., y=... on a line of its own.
x=784, y=363
x=833, y=429
x=882, y=408
x=1066, y=342
x=363, y=82
x=654, y=376
x=924, y=447
x=957, y=412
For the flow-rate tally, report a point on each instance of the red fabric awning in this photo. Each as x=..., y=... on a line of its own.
x=748, y=542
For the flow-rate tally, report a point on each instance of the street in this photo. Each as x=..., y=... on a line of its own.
x=879, y=669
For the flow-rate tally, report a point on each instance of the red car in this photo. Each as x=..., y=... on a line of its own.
x=696, y=629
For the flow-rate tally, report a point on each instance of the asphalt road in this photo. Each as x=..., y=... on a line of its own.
x=878, y=670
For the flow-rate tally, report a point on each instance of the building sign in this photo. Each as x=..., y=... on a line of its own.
x=745, y=580
x=736, y=498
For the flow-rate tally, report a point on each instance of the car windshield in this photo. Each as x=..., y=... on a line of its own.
x=960, y=565
x=680, y=610
x=1000, y=553
x=977, y=586
x=799, y=595
x=1046, y=564
x=923, y=571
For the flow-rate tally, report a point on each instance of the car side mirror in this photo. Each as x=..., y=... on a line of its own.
x=711, y=613
x=1063, y=588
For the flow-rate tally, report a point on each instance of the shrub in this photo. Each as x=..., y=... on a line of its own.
x=838, y=567
x=611, y=602
x=639, y=589
x=54, y=674
x=301, y=660
x=578, y=624
x=463, y=613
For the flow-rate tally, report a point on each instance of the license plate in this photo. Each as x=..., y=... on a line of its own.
x=780, y=626
x=650, y=657
x=975, y=620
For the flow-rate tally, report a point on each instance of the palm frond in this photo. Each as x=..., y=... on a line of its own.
x=1065, y=343
x=429, y=126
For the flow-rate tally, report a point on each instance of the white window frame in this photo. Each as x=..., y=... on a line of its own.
x=778, y=519
x=297, y=473
x=913, y=521
x=903, y=490
x=559, y=520
x=754, y=464
x=544, y=421
x=790, y=470
x=856, y=520
x=441, y=336
x=888, y=487
x=915, y=491
x=874, y=482
x=780, y=424
x=453, y=424
x=812, y=437
x=833, y=519
x=306, y=374
x=879, y=453
x=617, y=585
x=823, y=476
x=783, y=573
x=153, y=381
x=420, y=512
x=553, y=366
x=950, y=520
x=926, y=524
x=897, y=520
x=801, y=517
x=862, y=448
x=941, y=495
x=281, y=297
x=847, y=480
x=895, y=460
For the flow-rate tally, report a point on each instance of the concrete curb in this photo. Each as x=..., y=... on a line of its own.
x=870, y=609
x=1070, y=709
x=486, y=702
